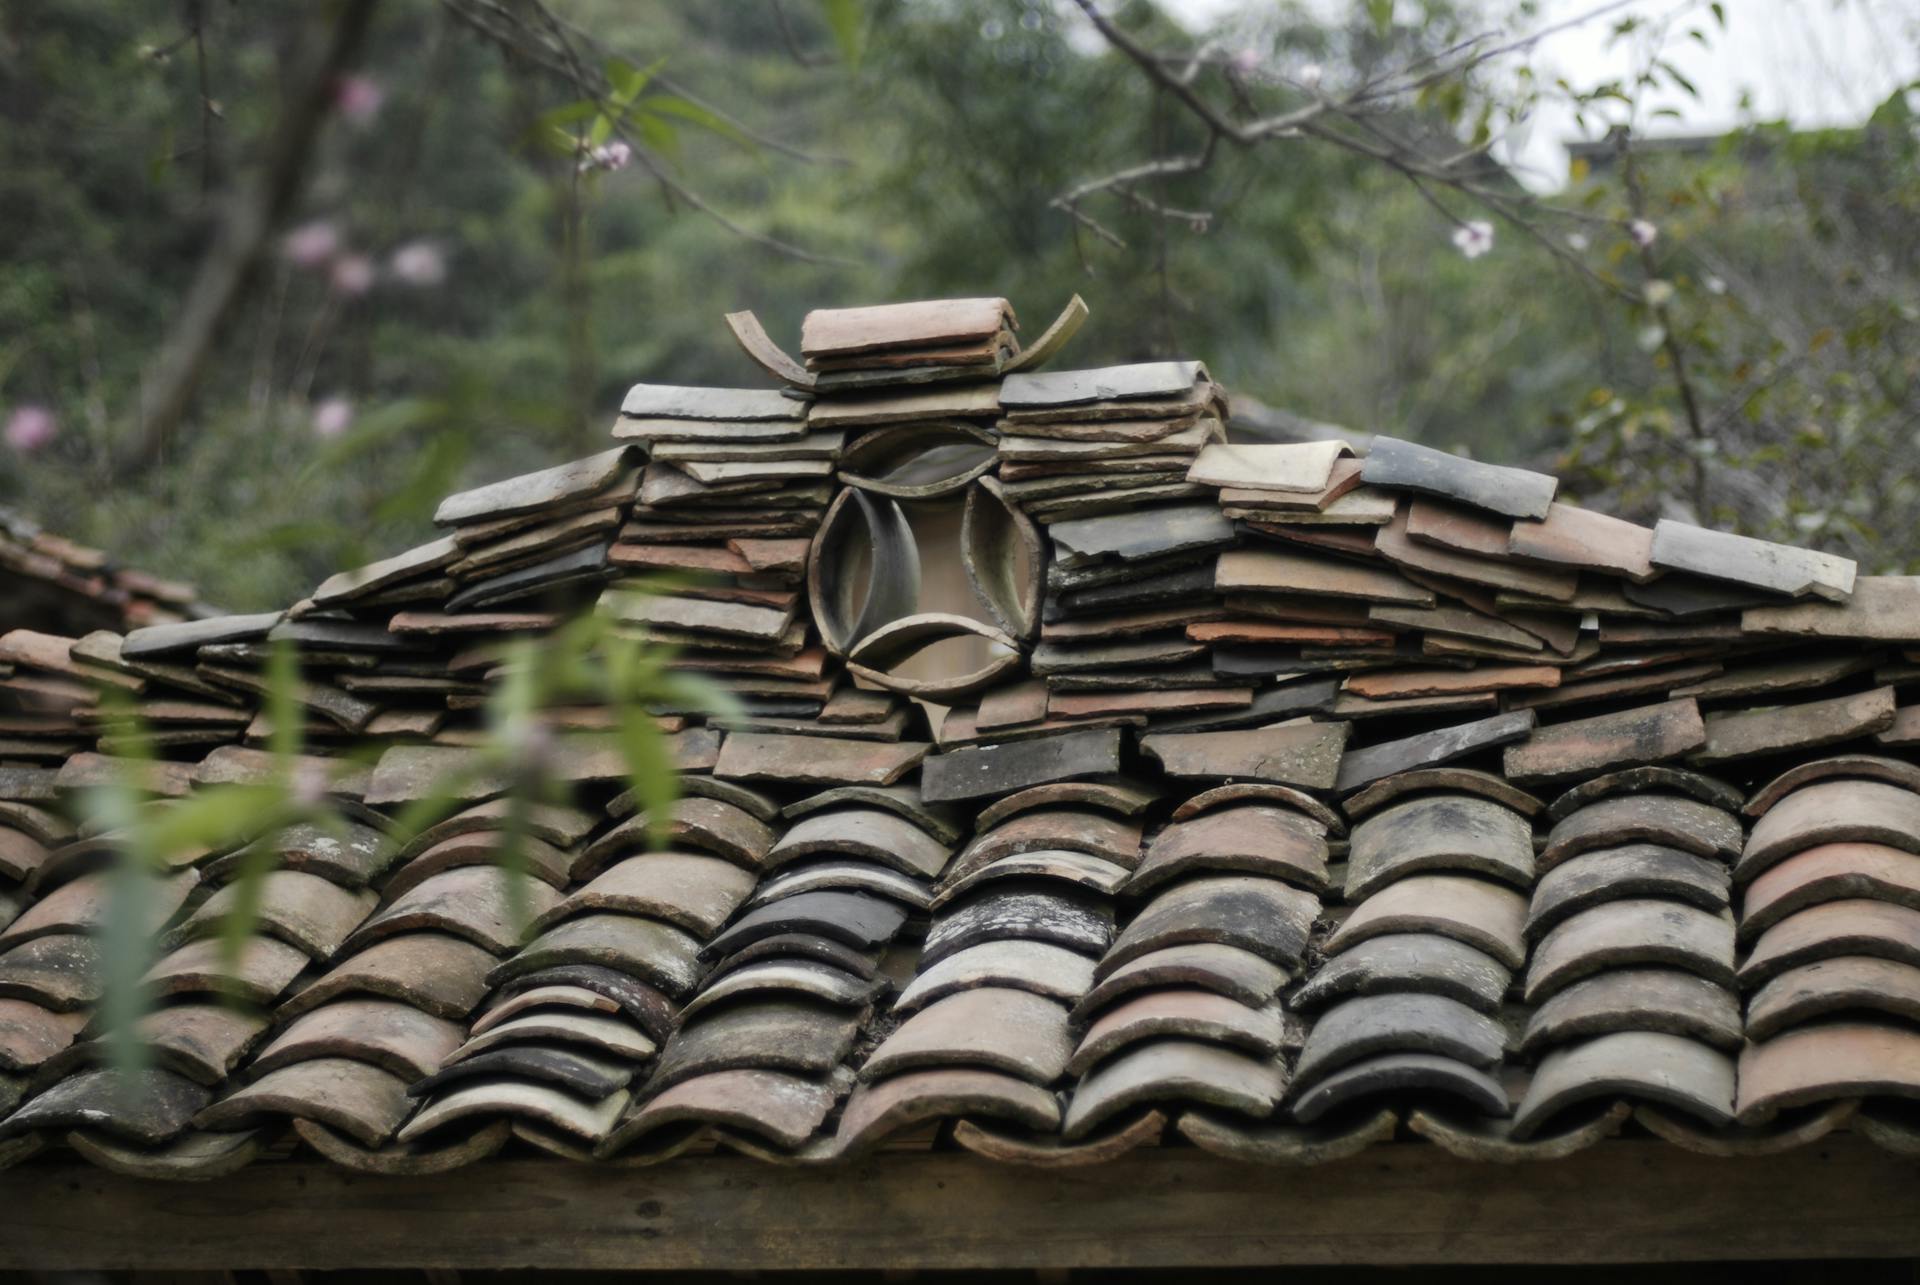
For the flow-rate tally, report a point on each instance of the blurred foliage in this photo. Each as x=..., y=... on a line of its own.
x=486, y=295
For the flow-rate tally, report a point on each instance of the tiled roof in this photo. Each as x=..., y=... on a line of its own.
x=1301, y=802
x=51, y=583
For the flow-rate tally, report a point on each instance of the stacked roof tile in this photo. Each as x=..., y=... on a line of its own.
x=1303, y=800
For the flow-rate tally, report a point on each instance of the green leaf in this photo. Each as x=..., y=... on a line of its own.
x=657, y=134
x=1381, y=13
x=848, y=25
x=694, y=113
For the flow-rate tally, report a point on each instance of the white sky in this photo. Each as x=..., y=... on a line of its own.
x=1812, y=62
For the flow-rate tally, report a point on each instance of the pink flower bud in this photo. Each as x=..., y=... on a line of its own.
x=352, y=274
x=30, y=427
x=1643, y=233
x=419, y=263
x=311, y=245
x=358, y=98
x=332, y=417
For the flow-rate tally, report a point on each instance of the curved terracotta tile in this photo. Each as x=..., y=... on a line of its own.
x=1642, y=1065
x=588, y=1122
x=1635, y=932
x=1669, y=820
x=785, y=1033
x=1263, y=916
x=1424, y=1075
x=1864, y=767
x=842, y=875
x=872, y=834
x=1453, y=833
x=1831, y=811
x=397, y=1037
x=1637, y=999
x=1043, y=1151
x=1248, y=838
x=1284, y=796
x=596, y=1033
x=147, y=1107
x=552, y=866
x=1128, y=799
x=1419, y=963
x=851, y=918
x=405, y=1159
x=1486, y=916
x=559, y=996
x=1450, y=780
x=1061, y=915
x=1041, y=967
x=994, y=1027
x=482, y=904
x=1078, y=869
x=579, y=1072
x=82, y=906
x=792, y=977
x=1225, y=970
x=1185, y=1014
x=1374, y=1025
x=30, y=1033
x=938, y=819
x=1829, y=872
x=1633, y=870
x=1654, y=777
x=1831, y=930
x=692, y=891
x=787, y=1109
x=1175, y=1070
x=882, y=1108
x=1827, y=1061
x=1099, y=834
x=1832, y=987
x=1769, y=1139
x=1273, y=1142
x=436, y=973
x=355, y=1098
x=265, y=968
x=192, y=1157
x=1490, y=1139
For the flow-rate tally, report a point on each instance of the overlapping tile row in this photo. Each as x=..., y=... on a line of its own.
x=1231, y=834
x=52, y=585
x=1829, y=887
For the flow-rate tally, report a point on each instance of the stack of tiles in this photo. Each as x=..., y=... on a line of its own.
x=888, y=345
x=1830, y=926
x=1409, y=997
x=1631, y=982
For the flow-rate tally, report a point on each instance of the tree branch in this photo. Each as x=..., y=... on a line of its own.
x=254, y=211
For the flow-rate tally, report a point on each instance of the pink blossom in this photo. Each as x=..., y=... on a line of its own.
x=1473, y=239
x=332, y=417
x=1244, y=62
x=1643, y=233
x=30, y=427
x=352, y=274
x=311, y=245
x=1311, y=75
x=608, y=156
x=419, y=263
x=358, y=98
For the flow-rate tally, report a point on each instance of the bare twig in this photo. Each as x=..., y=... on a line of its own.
x=254, y=211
